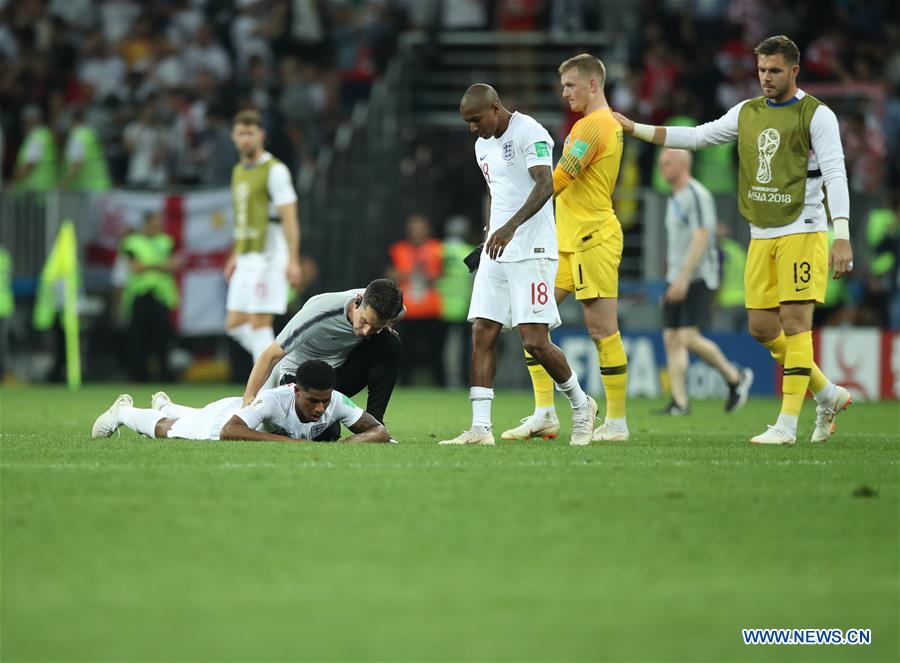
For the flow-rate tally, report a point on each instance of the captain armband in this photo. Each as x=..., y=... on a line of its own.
x=841, y=228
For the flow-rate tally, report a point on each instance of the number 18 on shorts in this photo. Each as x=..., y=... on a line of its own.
x=514, y=293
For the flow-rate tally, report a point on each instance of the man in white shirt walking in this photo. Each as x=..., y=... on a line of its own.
x=514, y=283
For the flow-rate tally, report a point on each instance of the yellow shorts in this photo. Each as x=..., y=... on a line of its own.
x=593, y=272
x=792, y=268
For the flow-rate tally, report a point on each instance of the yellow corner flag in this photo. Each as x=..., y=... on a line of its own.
x=62, y=268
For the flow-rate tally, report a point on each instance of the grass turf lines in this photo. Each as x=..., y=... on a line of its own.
x=661, y=548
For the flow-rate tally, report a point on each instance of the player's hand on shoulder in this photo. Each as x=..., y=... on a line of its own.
x=627, y=125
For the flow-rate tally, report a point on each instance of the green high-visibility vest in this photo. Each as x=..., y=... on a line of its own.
x=734, y=261
x=773, y=147
x=714, y=167
x=93, y=175
x=154, y=250
x=250, y=195
x=44, y=175
x=7, y=301
x=455, y=285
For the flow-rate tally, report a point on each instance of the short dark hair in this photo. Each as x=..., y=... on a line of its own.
x=248, y=117
x=384, y=297
x=779, y=44
x=315, y=374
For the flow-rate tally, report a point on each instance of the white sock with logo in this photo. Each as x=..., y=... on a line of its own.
x=787, y=423
x=481, y=398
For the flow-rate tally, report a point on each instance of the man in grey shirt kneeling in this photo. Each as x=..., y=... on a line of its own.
x=351, y=331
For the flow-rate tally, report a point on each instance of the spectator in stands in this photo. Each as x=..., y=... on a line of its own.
x=882, y=290
x=36, y=165
x=417, y=264
x=207, y=54
x=149, y=296
x=84, y=167
x=146, y=140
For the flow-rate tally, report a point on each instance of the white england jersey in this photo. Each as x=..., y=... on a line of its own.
x=825, y=156
x=504, y=162
x=272, y=411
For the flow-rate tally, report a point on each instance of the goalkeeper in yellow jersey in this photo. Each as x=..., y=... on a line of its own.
x=590, y=247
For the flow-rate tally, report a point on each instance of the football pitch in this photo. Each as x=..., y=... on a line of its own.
x=662, y=548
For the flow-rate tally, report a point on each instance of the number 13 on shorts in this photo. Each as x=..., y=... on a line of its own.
x=540, y=293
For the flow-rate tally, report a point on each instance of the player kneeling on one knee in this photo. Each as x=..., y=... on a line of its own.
x=293, y=412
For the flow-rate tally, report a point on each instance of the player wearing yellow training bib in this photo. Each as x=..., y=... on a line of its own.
x=589, y=238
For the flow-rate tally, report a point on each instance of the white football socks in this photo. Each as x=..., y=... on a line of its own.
x=787, y=423
x=140, y=420
x=481, y=398
x=175, y=411
x=259, y=339
x=826, y=394
x=573, y=392
x=241, y=335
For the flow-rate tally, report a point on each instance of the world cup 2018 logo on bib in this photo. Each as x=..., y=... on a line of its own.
x=508, y=151
x=768, y=143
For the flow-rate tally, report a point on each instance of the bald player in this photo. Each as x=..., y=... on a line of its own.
x=518, y=263
x=692, y=278
x=590, y=247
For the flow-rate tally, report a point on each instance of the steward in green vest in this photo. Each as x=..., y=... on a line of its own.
x=85, y=164
x=151, y=268
x=149, y=295
x=36, y=164
x=455, y=284
x=7, y=301
x=734, y=260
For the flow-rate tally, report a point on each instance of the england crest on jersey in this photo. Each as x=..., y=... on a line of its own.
x=509, y=151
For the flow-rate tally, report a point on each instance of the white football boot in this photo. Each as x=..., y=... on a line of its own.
x=826, y=414
x=583, y=423
x=774, y=435
x=109, y=422
x=159, y=400
x=546, y=427
x=468, y=437
x=610, y=432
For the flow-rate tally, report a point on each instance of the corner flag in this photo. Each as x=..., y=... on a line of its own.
x=61, y=268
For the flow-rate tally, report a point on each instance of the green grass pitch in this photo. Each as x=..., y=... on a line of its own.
x=661, y=548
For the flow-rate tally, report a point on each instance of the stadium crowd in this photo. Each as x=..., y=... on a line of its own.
x=157, y=83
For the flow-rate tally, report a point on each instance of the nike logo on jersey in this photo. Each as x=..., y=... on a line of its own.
x=801, y=289
x=482, y=157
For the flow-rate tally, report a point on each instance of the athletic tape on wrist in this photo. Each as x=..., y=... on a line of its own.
x=841, y=228
x=644, y=131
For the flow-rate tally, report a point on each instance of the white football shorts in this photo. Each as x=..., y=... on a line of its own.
x=515, y=293
x=259, y=283
x=206, y=423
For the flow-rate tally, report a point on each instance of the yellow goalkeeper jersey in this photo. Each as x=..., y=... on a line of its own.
x=584, y=179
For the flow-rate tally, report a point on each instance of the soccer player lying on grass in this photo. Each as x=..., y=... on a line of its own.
x=291, y=412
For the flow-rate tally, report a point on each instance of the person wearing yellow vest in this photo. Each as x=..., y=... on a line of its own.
x=790, y=148
x=84, y=167
x=36, y=164
x=149, y=295
x=266, y=256
x=416, y=265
